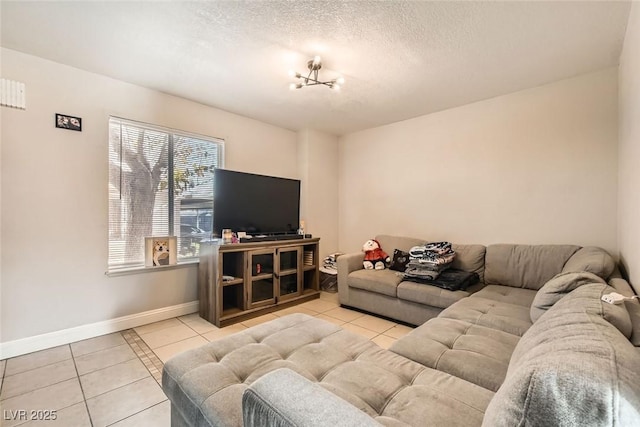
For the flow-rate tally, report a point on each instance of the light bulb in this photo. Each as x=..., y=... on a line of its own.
x=316, y=60
x=292, y=86
x=336, y=87
x=291, y=73
x=340, y=80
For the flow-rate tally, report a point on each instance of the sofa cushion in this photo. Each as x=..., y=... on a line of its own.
x=525, y=266
x=429, y=295
x=474, y=353
x=206, y=384
x=389, y=243
x=380, y=281
x=556, y=288
x=510, y=318
x=517, y=296
x=469, y=258
x=284, y=398
x=571, y=368
x=592, y=259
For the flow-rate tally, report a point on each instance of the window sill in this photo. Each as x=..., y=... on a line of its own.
x=137, y=270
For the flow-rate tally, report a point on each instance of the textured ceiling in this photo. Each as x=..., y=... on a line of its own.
x=400, y=59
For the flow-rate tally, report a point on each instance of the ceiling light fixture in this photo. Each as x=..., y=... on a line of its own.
x=311, y=79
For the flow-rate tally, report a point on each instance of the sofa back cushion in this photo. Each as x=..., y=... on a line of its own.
x=389, y=243
x=572, y=367
x=556, y=288
x=470, y=258
x=525, y=266
x=592, y=259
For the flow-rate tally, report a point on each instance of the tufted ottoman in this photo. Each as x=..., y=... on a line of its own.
x=205, y=385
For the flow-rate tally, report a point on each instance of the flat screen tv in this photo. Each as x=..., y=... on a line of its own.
x=255, y=204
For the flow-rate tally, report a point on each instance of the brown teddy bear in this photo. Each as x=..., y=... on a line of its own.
x=374, y=257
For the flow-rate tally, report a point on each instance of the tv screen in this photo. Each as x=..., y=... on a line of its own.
x=255, y=204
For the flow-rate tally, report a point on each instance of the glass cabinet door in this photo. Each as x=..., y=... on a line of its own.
x=261, y=272
x=289, y=280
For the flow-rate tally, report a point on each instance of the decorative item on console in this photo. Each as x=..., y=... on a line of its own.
x=374, y=256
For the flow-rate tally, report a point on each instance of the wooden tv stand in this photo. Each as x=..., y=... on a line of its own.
x=243, y=280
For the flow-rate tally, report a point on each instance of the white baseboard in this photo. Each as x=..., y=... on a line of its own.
x=52, y=339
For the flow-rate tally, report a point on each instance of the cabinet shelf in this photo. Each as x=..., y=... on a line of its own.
x=266, y=277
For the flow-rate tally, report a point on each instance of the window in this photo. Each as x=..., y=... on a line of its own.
x=160, y=184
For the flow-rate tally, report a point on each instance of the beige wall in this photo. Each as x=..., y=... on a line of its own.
x=629, y=150
x=318, y=162
x=54, y=194
x=537, y=166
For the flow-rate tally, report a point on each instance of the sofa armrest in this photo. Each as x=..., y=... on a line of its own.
x=283, y=398
x=621, y=286
x=346, y=264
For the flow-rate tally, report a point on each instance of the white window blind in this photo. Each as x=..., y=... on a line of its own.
x=160, y=184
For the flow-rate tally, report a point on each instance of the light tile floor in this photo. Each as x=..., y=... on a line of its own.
x=115, y=379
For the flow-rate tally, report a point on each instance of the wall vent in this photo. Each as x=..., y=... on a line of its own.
x=13, y=94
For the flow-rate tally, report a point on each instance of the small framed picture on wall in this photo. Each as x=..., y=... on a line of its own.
x=68, y=122
x=160, y=251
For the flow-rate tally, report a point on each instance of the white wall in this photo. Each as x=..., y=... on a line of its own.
x=54, y=194
x=537, y=166
x=629, y=150
x=318, y=162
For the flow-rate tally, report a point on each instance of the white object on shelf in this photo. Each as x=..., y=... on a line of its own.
x=308, y=257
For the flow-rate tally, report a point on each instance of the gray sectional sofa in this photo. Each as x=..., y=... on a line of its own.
x=537, y=346
x=518, y=271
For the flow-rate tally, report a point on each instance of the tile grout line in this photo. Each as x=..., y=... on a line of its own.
x=84, y=398
x=106, y=367
x=41, y=387
x=4, y=369
x=53, y=363
x=32, y=369
x=146, y=355
x=129, y=416
x=120, y=386
x=160, y=329
x=36, y=389
x=197, y=333
x=102, y=349
x=176, y=342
